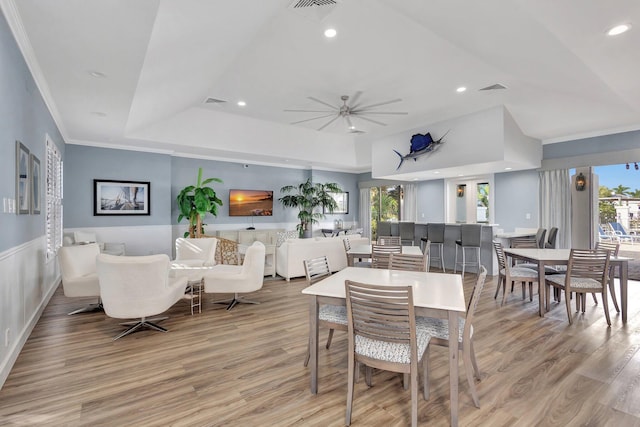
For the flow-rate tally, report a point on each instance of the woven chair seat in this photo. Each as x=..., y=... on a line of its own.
x=333, y=314
x=521, y=272
x=576, y=282
x=439, y=328
x=391, y=352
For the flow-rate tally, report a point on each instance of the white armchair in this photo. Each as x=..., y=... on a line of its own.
x=138, y=287
x=196, y=252
x=79, y=274
x=84, y=237
x=237, y=279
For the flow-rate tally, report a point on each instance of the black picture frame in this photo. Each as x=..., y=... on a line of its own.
x=342, y=200
x=23, y=179
x=112, y=197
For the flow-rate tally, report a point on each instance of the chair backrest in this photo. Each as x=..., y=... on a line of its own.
x=502, y=259
x=471, y=234
x=551, y=239
x=614, y=248
x=389, y=240
x=253, y=265
x=347, y=244
x=384, y=229
x=84, y=237
x=380, y=255
x=435, y=232
x=618, y=229
x=407, y=230
x=407, y=262
x=473, y=302
x=129, y=285
x=382, y=314
x=587, y=264
x=316, y=269
x=203, y=249
x=524, y=242
x=79, y=260
x=540, y=234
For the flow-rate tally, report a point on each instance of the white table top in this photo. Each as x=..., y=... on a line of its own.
x=430, y=290
x=549, y=255
x=366, y=250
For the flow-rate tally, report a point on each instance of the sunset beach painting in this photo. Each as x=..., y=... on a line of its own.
x=250, y=203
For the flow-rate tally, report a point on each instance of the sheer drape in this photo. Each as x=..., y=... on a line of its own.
x=410, y=203
x=555, y=204
x=365, y=211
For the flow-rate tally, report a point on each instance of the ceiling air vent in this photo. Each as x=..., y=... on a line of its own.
x=496, y=86
x=314, y=9
x=214, y=101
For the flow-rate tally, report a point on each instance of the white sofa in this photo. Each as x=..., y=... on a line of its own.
x=292, y=252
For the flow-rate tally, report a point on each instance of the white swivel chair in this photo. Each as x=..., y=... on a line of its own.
x=138, y=287
x=238, y=279
x=196, y=252
x=79, y=275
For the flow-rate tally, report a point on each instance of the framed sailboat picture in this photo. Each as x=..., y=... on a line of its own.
x=121, y=197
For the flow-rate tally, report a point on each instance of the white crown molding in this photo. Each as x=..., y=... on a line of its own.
x=585, y=135
x=24, y=44
x=119, y=146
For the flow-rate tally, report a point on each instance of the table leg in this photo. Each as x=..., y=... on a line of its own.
x=313, y=343
x=453, y=366
x=542, y=289
x=624, y=273
x=350, y=260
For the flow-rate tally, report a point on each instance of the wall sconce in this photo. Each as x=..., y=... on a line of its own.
x=581, y=182
x=461, y=190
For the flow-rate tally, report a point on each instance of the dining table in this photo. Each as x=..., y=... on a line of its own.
x=551, y=257
x=364, y=251
x=436, y=295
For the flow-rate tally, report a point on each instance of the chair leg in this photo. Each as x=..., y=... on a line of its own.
x=350, y=380
x=530, y=291
x=474, y=361
x=504, y=291
x=92, y=308
x=142, y=323
x=466, y=357
x=368, y=373
x=441, y=251
x=568, y=304
x=612, y=291
x=329, y=338
x=606, y=305
x=595, y=299
x=414, y=394
x=425, y=365
x=584, y=302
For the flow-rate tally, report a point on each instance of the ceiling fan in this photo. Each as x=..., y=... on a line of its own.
x=348, y=111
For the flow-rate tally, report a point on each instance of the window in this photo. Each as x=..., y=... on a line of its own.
x=385, y=205
x=54, y=199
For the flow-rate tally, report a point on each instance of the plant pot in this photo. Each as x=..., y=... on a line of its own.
x=307, y=234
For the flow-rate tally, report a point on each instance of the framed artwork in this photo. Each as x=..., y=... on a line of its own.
x=22, y=179
x=342, y=200
x=121, y=197
x=34, y=168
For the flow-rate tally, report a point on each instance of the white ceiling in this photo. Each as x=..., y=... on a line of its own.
x=162, y=58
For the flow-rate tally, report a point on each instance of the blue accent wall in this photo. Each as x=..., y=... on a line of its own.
x=24, y=116
x=516, y=195
x=431, y=201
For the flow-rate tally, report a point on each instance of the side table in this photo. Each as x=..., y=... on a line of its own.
x=195, y=284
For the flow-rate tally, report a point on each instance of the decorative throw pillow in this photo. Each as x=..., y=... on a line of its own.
x=283, y=236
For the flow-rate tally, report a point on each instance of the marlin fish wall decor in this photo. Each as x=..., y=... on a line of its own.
x=421, y=145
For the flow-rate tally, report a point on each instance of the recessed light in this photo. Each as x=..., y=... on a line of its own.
x=460, y=174
x=99, y=113
x=461, y=89
x=97, y=74
x=508, y=169
x=619, y=29
x=241, y=103
x=330, y=33
x=436, y=172
x=415, y=179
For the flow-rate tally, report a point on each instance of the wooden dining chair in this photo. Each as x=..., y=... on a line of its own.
x=383, y=335
x=438, y=330
x=587, y=272
x=330, y=316
x=389, y=240
x=509, y=274
x=614, y=249
x=407, y=262
x=380, y=255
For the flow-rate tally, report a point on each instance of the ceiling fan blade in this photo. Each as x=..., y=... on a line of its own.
x=380, y=104
x=329, y=122
x=322, y=102
x=308, y=111
x=354, y=99
x=313, y=118
x=371, y=120
x=358, y=112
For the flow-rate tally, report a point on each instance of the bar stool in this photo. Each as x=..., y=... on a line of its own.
x=435, y=234
x=470, y=239
x=407, y=232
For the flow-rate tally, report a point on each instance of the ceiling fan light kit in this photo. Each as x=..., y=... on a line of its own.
x=348, y=111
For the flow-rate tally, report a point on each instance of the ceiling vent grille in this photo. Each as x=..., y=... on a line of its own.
x=316, y=10
x=496, y=86
x=214, y=101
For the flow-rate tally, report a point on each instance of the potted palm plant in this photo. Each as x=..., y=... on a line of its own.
x=307, y=197
x=195, y=201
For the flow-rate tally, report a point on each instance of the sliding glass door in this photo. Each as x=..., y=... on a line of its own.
x=385, y=205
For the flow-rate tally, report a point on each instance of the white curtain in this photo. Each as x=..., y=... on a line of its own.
x=555, y=204
x=410, y=203
x=365, y=211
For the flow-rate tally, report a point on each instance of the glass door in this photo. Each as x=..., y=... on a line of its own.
x=385, y=206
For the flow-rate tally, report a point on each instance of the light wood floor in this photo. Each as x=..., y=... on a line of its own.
x=244, y=368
